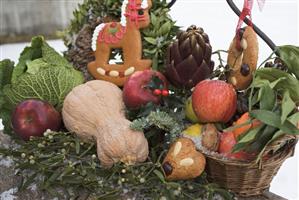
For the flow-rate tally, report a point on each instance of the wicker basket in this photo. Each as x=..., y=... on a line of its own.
x=250, y=179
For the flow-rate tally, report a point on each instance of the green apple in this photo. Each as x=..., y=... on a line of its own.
x=189, y=112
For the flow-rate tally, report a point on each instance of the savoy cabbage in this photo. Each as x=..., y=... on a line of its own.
x=41, y=73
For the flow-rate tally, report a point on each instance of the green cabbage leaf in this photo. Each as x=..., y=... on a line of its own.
x=41, y=73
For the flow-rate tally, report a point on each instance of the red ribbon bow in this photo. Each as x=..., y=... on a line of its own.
x=248, y=4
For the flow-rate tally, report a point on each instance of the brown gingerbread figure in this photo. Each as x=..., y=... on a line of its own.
x=125, y=35
x=183, y=161
x=242, y=58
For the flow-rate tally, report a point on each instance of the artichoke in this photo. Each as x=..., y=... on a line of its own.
x=189, y=58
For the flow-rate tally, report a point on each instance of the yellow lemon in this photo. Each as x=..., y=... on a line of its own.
x=189, y=112
x=193, y=130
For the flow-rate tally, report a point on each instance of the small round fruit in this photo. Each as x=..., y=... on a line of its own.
x=193, y=130
x=214, y=101
x=244, y=127
x=136, y=93
x=189, y=112
x=210, y=137
x=157, y=92
x=34, y=117
x=165, y=93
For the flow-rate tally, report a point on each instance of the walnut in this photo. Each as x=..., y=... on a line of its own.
x=210, y=137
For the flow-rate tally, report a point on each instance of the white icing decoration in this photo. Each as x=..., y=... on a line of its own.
x=177, y=148
x=101, y=71
x=123, y=19
x=144, y=4
x=186, y=162
x=129, y=71
x=114, y=73
x=96, y=32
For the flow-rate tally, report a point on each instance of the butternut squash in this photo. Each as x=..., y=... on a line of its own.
x=95, y=111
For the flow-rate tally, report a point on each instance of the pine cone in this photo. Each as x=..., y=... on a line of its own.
x=189, y=58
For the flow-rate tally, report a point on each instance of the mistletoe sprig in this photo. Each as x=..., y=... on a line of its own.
x=66, y=167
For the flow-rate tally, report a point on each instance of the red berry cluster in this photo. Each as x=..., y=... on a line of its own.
x=159, y=92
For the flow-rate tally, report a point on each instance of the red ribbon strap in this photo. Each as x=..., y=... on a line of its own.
x=248, y=4
x=247, y=8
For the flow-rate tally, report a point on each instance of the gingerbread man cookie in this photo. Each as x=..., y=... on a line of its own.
x=123, y=35
x=242, y=58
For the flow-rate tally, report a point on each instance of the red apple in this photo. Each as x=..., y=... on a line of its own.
x=214, y=101
x=227, y=143
x=135, y=91
x=34, y=117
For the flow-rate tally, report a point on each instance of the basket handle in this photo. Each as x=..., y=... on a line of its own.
x=171, y=3
x=260, y=33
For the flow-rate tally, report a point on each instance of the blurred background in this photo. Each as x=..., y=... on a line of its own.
x=21, y=19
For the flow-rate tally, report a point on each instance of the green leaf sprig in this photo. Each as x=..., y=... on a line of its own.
x=273, y=100
x=66, y=167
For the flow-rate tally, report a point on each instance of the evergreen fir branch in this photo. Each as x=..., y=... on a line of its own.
x=139, y=124
x=159, y=119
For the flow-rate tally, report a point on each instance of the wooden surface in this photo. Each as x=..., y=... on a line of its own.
x=266, y=196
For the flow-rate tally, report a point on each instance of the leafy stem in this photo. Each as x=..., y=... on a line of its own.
x=218, y=53
x=267, y=59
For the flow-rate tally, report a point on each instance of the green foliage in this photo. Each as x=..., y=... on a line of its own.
x=93, y=9
x=50, y=84
x=64, y=166
x=29, y=53
x=290, y=56
x=6, y=69
x=156, y=37
x=160, y=120
x=167, y=118
x=155, y=83
x=278, y=80
x=273, y=119
x=273, y=96
x=40, y=74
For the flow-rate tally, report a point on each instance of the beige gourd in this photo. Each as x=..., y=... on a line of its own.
x=95, y=111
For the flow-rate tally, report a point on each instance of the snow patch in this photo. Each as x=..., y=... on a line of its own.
x=6, y=162
x=9, y=194
x=33, y=187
